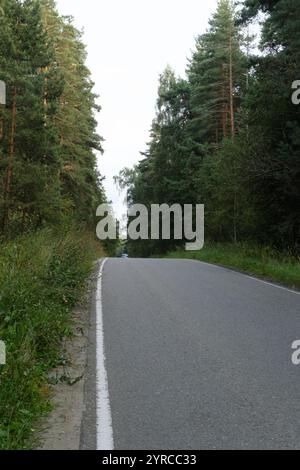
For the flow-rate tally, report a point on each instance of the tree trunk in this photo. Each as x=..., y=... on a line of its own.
x=224, y=112
x=11, y=151
x=235, y=217
x=1, y=135
x=232, y=126
x=232, y=120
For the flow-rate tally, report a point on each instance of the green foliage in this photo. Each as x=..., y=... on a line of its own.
x=49, y=182
x=48, y=137
x=42, y=276
x=274, y=125
x=251, y=259
x=228, y=136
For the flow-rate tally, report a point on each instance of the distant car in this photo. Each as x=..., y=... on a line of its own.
x=124, y=255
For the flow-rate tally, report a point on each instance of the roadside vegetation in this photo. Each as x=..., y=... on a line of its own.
x=227, y=135
x=49, y=183
x=260, y=261
x=42, y=277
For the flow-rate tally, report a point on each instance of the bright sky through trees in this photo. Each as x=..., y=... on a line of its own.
x=129, y=44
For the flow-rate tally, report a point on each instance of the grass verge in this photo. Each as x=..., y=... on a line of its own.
x=260, y=261
x=42, y=277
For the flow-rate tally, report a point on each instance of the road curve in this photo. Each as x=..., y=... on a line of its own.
x=198, y=357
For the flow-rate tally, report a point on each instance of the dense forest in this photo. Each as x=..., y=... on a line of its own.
x=228, y=135
x=48, y=132
x=49, y=191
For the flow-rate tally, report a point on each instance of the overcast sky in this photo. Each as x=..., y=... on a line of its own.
x=129, y=43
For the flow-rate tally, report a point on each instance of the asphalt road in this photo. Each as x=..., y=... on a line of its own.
x=197, y=357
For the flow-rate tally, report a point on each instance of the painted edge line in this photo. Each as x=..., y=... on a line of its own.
x=103, y=419
x=236, y=271
x=272, y=284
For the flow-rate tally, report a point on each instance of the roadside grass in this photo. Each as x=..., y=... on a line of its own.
x=42, y=277
x=260, y=261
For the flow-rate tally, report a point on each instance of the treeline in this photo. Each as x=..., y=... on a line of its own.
x=49, y=190
x=228, y=135
x=48, y=135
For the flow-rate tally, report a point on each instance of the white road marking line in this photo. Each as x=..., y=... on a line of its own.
x=272, y=285
x=104, y=422
x=249, y=277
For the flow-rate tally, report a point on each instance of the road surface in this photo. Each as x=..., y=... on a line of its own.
x=196, y=357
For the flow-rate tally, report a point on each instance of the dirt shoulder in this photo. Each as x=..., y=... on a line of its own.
x=62, y=430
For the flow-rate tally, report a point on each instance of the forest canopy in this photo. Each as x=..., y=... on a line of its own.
x=48, y=136
x=228, y=134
